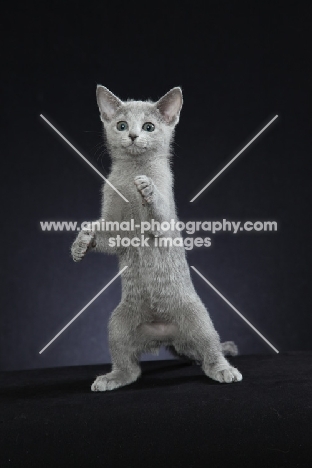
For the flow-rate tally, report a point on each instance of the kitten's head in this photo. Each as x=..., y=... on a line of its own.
x=136, y=128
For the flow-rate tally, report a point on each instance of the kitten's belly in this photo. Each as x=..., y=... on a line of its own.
x=155, y=273
x=159, y=330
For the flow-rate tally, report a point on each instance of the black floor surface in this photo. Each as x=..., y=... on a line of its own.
x=173, y=416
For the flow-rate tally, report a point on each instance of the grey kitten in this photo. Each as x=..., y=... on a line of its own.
x=159, y=305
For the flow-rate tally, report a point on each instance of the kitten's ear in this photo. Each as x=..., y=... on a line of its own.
x=170, y=105
x=108, y=103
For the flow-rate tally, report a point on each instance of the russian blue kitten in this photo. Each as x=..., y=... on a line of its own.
x=159, y=305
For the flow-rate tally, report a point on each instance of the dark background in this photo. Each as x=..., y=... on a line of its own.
x=238, y=64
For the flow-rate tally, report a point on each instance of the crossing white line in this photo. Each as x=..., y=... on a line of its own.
x=82, y=310
x=235, y=310
x=233, y=159
x=82, y=156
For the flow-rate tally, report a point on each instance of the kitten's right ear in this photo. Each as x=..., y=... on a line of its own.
x=108, y=103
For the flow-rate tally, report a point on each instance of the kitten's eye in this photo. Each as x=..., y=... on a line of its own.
x=122, y=126
x=148, y=127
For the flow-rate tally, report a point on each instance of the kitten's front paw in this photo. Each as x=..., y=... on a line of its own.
x=85, y=240
x=145, y=186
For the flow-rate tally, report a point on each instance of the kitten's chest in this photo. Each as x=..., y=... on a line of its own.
x=123, y=180
x=117, y=208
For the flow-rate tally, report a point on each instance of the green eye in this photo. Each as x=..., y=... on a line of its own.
x=122, y=126
x=148, y=127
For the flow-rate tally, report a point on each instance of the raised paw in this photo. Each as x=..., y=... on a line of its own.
x=85, y=240
x=145, y=186
x=227, y=374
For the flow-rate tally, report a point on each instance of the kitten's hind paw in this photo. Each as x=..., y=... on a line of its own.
x=226, y=374
x=101, y=384
x=112, y=380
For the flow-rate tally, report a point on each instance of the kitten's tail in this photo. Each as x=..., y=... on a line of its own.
x=229, y=348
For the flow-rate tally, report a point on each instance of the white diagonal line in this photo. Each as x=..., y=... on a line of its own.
x=233, y=159
x=82, y=310
x=81, y=155
x=235, y=310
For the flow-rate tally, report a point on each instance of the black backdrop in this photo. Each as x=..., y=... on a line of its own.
x=239, y=64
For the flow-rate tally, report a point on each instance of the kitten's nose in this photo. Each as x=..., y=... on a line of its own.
x=133, y=136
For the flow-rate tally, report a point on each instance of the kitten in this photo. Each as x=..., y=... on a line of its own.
x=159, y=305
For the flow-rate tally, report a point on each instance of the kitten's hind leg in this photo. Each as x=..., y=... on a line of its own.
x=124, y=353
x=125, y=369
x=213, y=363
x=228, y=348
x=117, y=378
x=199, y=340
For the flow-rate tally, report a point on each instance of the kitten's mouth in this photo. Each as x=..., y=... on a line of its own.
x=133, y=148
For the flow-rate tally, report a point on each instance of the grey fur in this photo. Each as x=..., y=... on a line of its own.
x=159, y=305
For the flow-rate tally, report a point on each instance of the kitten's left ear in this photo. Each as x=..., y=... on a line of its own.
x=170, y=106
x=108, y=103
